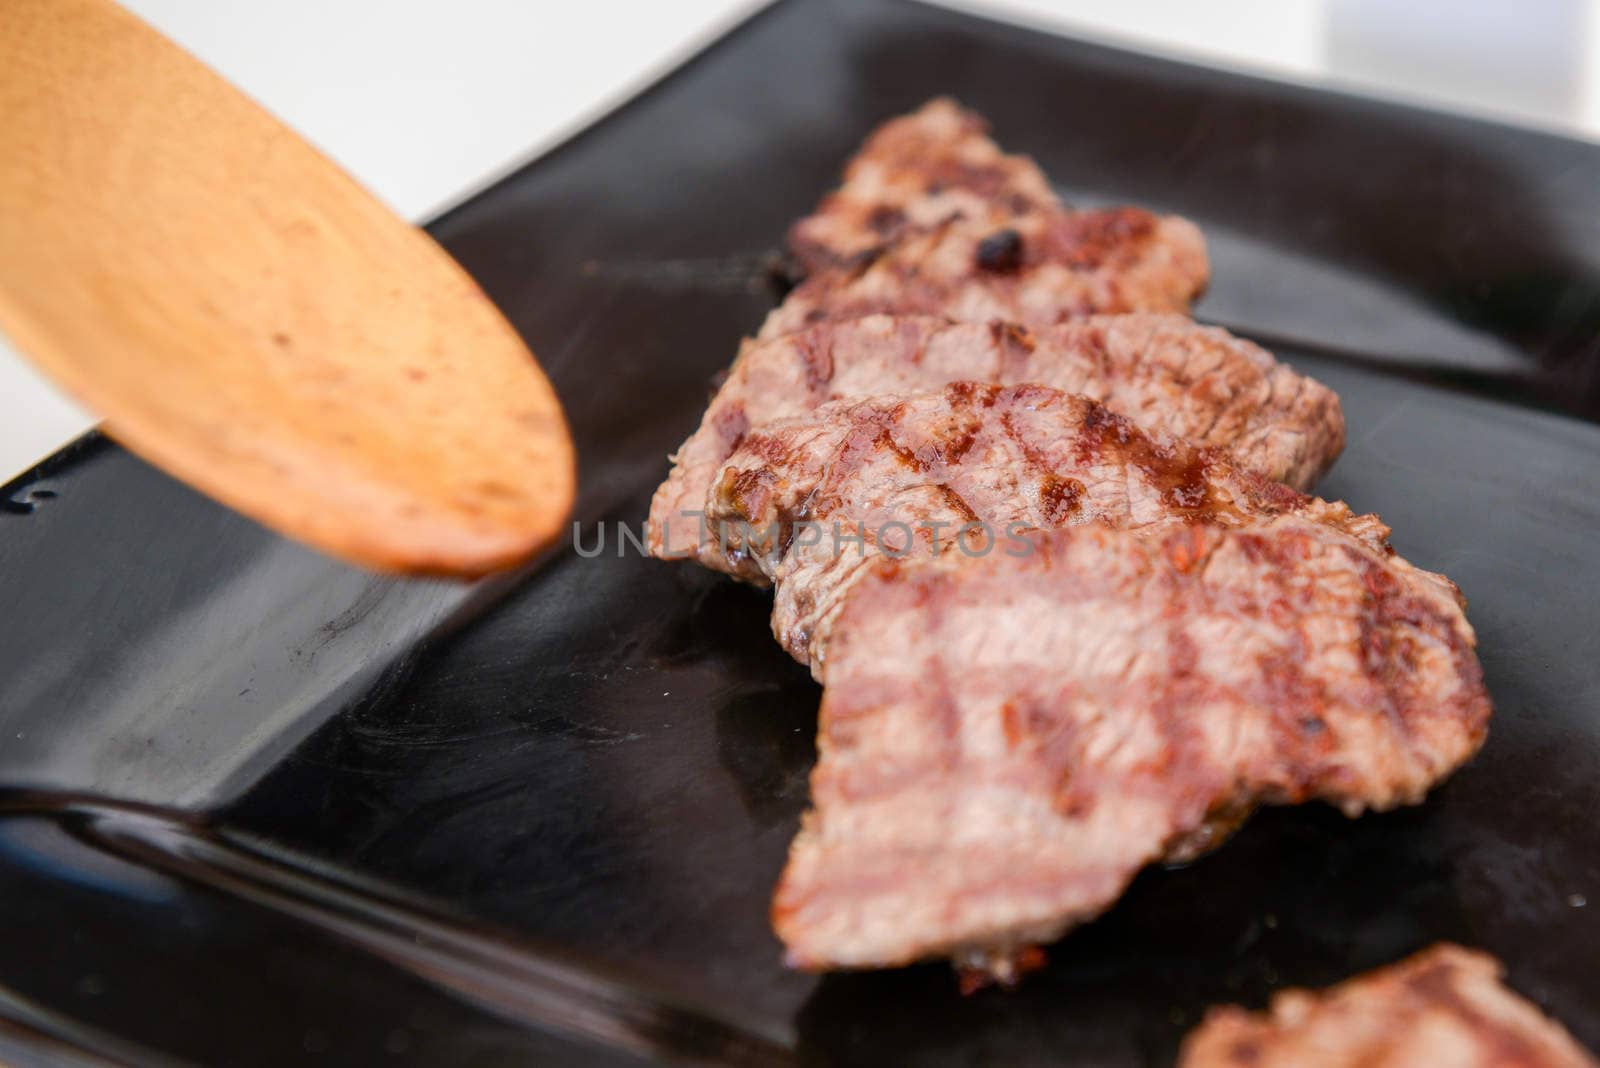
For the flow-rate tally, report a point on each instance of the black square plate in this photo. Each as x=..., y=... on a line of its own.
x=262, y=809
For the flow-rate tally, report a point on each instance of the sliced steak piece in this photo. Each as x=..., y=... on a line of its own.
x=1006, y=740
x=1444, y=1007
x=933, y=219
x=1038, y=269
x=1165, y=372
x=914, y=173
x=905, y=472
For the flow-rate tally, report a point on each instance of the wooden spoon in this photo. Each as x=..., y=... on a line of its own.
x=248, y=318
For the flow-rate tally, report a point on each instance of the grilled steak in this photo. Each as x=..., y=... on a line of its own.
x=933, y=219
x=904, y=473
x=914, y=173
x=1069, y=620
x=1006, y=740
x=1039, y=269
x=1444, y=1007
x=1163, y=371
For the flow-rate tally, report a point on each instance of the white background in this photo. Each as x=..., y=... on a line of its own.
x=426, y=101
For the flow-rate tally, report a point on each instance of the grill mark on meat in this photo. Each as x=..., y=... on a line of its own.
x=969, y=393
x=947, y=714
x=1097, y=349
x=1056, y=747
x=985, y=181
x=1183, y=693
x=1298, y=724
x=1102, y=426
x=1391, y=607
x=871, y=432
x=1086, y=240
x=883, y=438
x=913, y=338
x=817, y=358
x=1445, y=1005
x=1016, y=346
x=771, y=448
x=958, y=503
x=1378, y=644
x=1179, y=473
x=1184, y=550
x=1061, y=498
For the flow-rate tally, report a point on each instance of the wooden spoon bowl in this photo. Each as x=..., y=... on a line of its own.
x=248, y=318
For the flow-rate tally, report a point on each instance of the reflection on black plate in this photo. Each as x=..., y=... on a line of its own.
x=262, y=807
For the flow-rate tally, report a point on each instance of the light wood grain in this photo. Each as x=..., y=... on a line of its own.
x=248, y=318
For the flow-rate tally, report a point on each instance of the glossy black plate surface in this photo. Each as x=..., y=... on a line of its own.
x=262, y=809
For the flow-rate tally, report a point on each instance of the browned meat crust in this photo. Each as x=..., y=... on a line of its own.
x=913, y=173
x=1038, y=270
x=1006, y=740
x=1444, y=1007
x=906, y=472
x=1165, y=372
